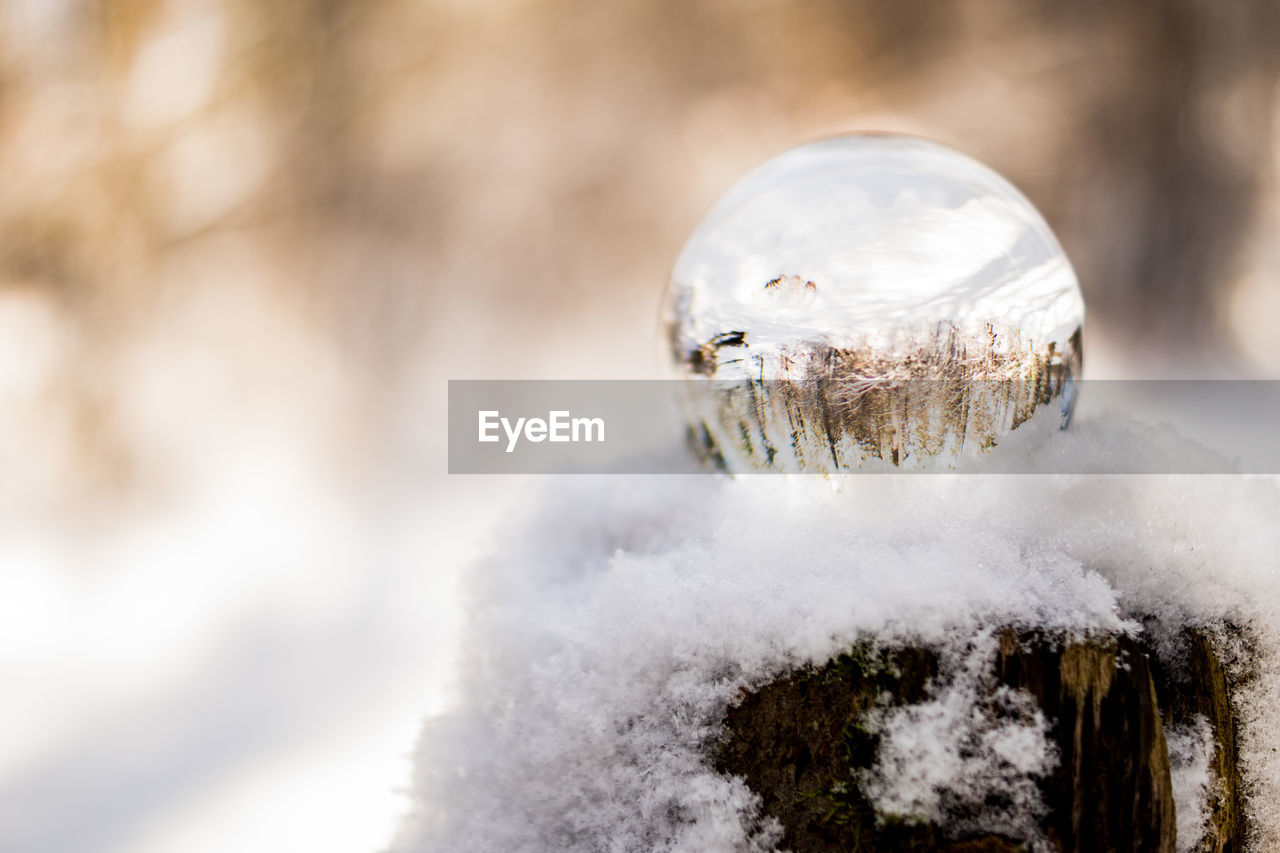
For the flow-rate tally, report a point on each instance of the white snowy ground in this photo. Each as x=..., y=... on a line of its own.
x=615, y=622
x=247, y=637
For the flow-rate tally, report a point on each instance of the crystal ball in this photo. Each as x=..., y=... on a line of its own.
x=870, y=300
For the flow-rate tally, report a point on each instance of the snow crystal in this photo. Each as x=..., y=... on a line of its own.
x=618, y=621
x=947, y=760
x=1190, y=753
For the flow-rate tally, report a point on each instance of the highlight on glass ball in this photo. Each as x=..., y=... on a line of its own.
x=871, y=301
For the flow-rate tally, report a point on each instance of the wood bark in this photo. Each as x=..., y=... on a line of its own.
x=801, y=741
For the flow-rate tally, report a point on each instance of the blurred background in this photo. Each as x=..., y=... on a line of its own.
x=244, y=245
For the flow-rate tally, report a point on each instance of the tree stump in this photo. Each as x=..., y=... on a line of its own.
x=806, y=742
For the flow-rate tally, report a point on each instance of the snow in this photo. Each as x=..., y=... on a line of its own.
x=972, y=745
x=1190, y=753
x=621, y=616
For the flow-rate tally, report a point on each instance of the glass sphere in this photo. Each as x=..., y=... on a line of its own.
x=871, y=297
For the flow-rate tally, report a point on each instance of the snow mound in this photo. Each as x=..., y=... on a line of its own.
x=618, y=620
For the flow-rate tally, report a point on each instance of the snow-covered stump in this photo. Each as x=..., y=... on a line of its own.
x=877, y=303
x=1038, y=663
x=1027, y=740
